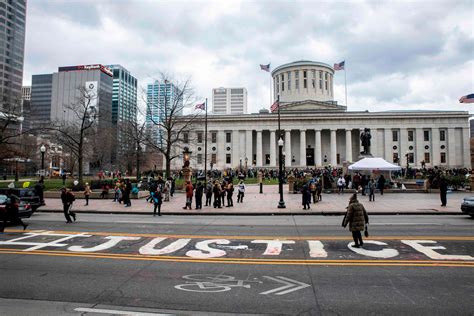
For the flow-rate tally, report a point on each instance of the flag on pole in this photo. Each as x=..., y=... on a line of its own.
x=467, y=98
x=274, y=106
x=265, y=67
x=339, y=66
x=200, y=106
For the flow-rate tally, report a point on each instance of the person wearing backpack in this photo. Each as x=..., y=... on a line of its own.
x=68, y=198
x=157, y=201
x=209, y=193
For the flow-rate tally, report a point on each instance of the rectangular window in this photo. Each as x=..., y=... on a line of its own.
x=199, y=137
x=227, y=159
x=282, y=85
x=213, y=159
x=313, y=81
x=297, y=83
x=427, y=157
x=442, y=136
x=411, y=158
x=426, y=136
x=395, y=158
x=267, y=159
x=289, y=80
x=199, y=159
x=410, y=136
x=338, y=158
x=213, y=137
x=305, y=85
x=228, y=137
x=395, y=136
x=185, y=137
x=443, y=157
x=278, y=84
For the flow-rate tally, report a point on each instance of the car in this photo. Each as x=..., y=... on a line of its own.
x=24, y=209
x=27, y=195
x=467, y=206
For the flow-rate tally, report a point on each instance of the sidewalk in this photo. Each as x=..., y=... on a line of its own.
x=266, y=204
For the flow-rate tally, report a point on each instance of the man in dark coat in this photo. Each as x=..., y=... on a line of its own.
x=126, y=194
x=39, y=189
x=443, y=190
x=356, y=217
x=381, y=183
x=209, y=193
x=67, y=197
x=306, y=197
x=198, y=196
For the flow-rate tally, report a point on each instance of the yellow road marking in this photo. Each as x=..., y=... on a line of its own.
x=454, y=238
x=424, y=263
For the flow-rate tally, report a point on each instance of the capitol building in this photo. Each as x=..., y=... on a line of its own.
x=318, y=132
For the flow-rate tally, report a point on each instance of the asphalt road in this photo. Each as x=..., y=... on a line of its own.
x=116, y=264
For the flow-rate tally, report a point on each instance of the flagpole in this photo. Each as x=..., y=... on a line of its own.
x=205, y=146
x=270, y=87
x=345, y=82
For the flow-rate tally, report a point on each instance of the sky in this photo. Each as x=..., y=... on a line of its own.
x=399, y=55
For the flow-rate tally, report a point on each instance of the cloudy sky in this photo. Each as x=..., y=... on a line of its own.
x=416, y=54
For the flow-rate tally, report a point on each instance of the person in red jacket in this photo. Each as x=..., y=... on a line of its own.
x=189, y=194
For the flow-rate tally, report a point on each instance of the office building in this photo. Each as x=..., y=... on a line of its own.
x=229, y=101
x=40, y=104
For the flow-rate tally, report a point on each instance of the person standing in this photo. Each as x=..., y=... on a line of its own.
x=128, y=191
x=312, y=189
x=173, y=186
x=39, y=189
x=443, y=190
x=87, y=192
x=157, y=201
x=319, y=190
x=223, y=191
x=371, y=190
x=67, y=198
x=167, y=189
x=356, y=216
x=217, y=194
x=230, y=193
x=209, y=193
x=189, y=195
x=381, y=183
x=241, y=192
x=306, y=197
x=198, y=197
x=341, y=184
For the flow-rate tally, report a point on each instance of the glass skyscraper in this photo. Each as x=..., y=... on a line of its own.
x=12, y=47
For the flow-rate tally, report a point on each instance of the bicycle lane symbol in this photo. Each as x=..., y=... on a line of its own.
x=207, y=283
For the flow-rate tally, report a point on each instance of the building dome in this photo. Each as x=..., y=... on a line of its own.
x=303, y=80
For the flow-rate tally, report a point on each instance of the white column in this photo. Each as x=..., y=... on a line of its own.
x=302, y=147
x=220, y=149
x=259, y=148
x=273, y=153
x=451, y=147
x=317, y=148
x=435, y=150
x=419, y=147
x=403, y=147
x=235, y=149
x=333, y=148
x=248, y=147
x=374, y=142
x=388, y=144
x=349, y=145
x=466, y=147
x=287, y=148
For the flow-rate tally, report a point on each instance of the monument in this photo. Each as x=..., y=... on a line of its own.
x=365, y=140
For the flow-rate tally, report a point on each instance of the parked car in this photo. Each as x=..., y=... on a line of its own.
x=26, y=195
x=467, y=206
x=24, y=209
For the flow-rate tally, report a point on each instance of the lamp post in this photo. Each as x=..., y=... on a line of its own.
x=186, y=169
x=281, y=204
x=42, y=150
x=240, y=170
x=408, y=162
x=246, y=162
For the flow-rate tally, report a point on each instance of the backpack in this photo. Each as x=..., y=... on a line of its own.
x=71, y=196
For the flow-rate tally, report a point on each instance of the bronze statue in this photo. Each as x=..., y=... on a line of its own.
x=365, y=138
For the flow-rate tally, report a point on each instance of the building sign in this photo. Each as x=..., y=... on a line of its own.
x=100, y=67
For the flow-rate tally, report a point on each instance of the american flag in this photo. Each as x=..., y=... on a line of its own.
x=467, y=98
x=200, y=106
x=274, y=106
x=265, y=67
x=339, y=66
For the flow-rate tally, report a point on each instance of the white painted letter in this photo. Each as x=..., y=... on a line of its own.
x=149, y=249
x=205, y=251
x=428, y=250
x=316, y=249
x=273, y=246
x=113, y=241
x=382, y=254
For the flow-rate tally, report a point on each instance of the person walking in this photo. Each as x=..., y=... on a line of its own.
x=173, y=186
x=11, y=211
x=381, y=183
x=189, y=195
x=198, y=197
x=126, y=195
x=39, y=189
x=68, y=198
x=443, y=190
x=356, y=216
x=371, y=186
x=306, y=197
x=209, y=193
x=230, y=192
x=157, y=201
x=241, y=192
x=87, y=192
x=319, y=190
x=217, y=194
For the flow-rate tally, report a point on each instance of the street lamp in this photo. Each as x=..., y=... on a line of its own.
x=42, y=150
x=281, y=204
x=407, y=155
x=246, y=161
x=240, y=165
x=186, y=169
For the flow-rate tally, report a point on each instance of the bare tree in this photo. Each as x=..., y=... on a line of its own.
x=168, y=122
x=135, y=139
x=10, y=128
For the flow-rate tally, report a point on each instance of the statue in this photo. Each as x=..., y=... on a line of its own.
x=365, y=138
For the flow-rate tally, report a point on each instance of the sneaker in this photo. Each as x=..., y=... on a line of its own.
x=356, y=246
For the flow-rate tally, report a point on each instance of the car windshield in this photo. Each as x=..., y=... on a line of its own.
x=3, y=198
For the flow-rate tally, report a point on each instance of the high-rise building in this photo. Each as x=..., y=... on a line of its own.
x=40, y=105
x=124, y=104
x=25, y=107
x=229, y=101
x=162, y=97
x=12, y=46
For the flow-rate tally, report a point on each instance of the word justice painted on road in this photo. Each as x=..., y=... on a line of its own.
x=206, y=247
